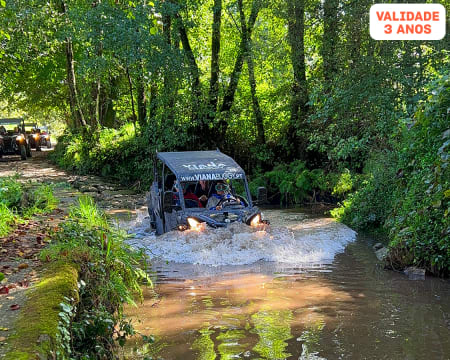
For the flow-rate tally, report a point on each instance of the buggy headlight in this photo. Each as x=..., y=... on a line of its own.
x=194, y=224
x=20, y=137
x=256, y=220
x=36, y=136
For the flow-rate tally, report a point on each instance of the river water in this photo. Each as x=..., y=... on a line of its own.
x=305, y=287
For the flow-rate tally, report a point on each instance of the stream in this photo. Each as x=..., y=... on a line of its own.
x=305, y=287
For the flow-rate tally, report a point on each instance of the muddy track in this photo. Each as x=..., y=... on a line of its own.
x=19, y=251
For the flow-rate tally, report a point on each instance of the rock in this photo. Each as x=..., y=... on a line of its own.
x=43, y=338
x=96, y=196
x=88, y=189
x=381, y=253
x=415, y=273
x=378, y=246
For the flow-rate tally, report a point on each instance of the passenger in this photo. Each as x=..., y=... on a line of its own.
x=188, y=195
x=202, y=191
x=2, y=130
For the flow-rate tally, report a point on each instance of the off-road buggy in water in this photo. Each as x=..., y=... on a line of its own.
x=179, y=175
x=13, y=138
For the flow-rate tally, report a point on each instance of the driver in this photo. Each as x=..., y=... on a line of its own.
x=2, y=130
x=222, y=192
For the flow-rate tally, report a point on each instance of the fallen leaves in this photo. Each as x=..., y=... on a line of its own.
x=14, y=307
x=23, y=266
x=4, y=290
x=26, y=241
x=24, y=283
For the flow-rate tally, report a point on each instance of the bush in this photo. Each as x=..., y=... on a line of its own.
x=110, y=274
x=407, y=190
x=22, y=201
x=11, y=192
x=122, y=154
x=295, y=183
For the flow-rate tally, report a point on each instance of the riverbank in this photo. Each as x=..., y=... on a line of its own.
x=36, y=285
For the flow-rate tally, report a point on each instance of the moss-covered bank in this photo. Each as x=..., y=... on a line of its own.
x=36, y=329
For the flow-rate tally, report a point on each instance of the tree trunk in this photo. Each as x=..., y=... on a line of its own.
x=251, y=76
x=169, y=100
x=215, y=50
x=130, y=84
x=74, y=101
x=141, y=102
x=330, y=39
x=153, y=98
x=237, y=69
x=195, y=73
x=299, y=107
x=255, y=103
x=98, y=114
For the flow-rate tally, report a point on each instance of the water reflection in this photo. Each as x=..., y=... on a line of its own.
x=273, y=329
x=204, y=346
x=351, y=309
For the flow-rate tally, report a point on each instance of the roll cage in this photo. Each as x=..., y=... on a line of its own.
x=190, y=166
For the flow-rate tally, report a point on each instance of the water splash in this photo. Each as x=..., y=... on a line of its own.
x=299, y=241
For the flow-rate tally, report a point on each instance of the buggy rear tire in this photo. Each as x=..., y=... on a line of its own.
x=28, y=148
x=23, y=152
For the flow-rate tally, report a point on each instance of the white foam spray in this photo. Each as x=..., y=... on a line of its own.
x=298, y=241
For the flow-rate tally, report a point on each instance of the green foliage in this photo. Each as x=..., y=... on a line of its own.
x=344, y=183
x=11, y=192
x=6, y=219
x=40, y=200
x=110, y=275
x=293, y=182
x=23, y=200
x=120, y=154
x=407, y=190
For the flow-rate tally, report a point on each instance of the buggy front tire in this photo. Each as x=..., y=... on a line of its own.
x=49, y=144
x=23, y=152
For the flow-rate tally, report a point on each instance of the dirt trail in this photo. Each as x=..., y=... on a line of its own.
x=19, y=251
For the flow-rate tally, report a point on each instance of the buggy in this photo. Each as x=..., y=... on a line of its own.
x=170, y=207
x=33, y=136
x=44, y=133
x=13, y=138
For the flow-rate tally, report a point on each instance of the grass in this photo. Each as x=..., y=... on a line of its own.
x=111, y=273
x=20, y=201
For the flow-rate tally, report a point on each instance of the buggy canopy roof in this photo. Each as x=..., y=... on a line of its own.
x=201, y=165
x=11, y=121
